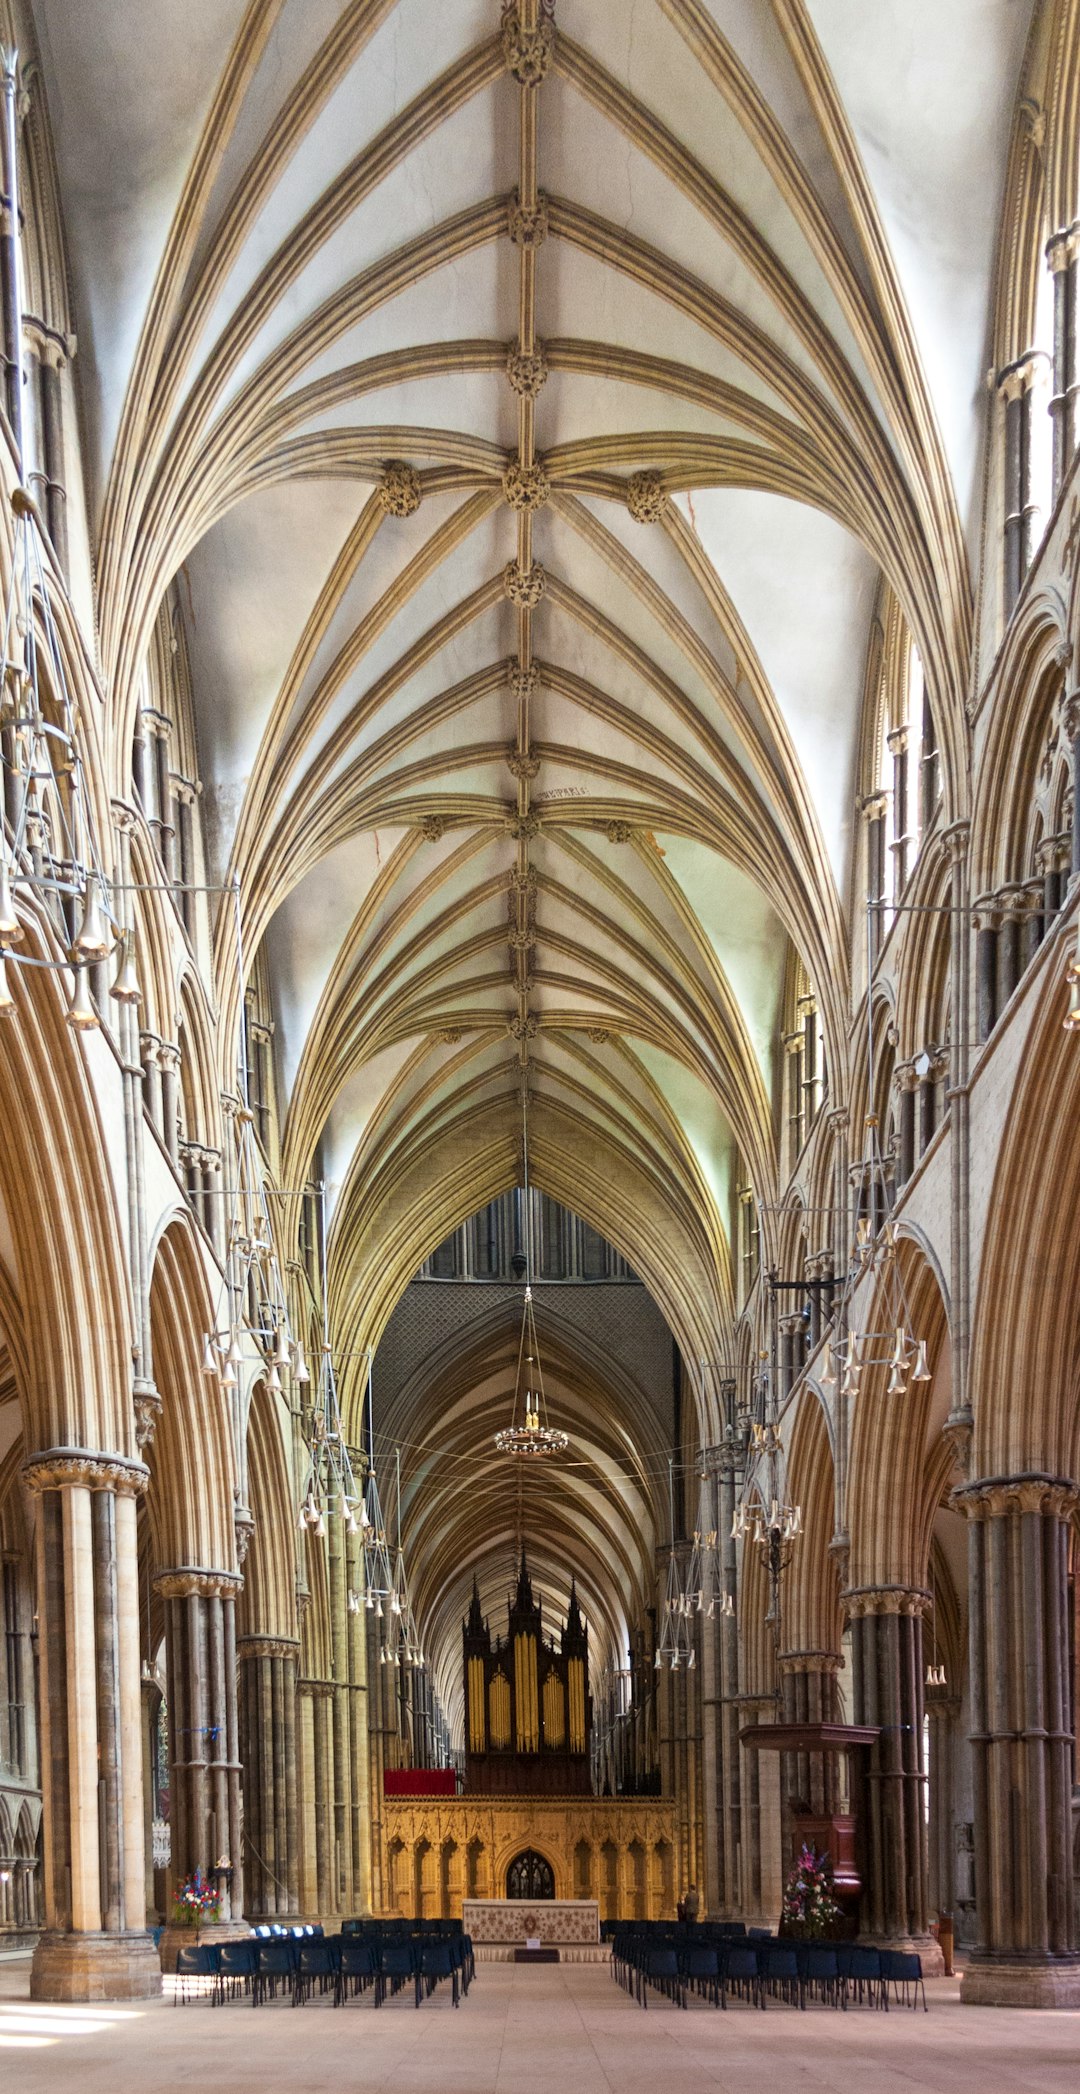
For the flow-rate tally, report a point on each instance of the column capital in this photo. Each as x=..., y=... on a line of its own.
x=1063, y=247
x=268, y=1647
x=995, y=1496
x=1070, y=714
x=1017, y=378
x=791, y=1661
x=862, y=1600
x=187, y=1582
x=955, y=839
x=68, y=1468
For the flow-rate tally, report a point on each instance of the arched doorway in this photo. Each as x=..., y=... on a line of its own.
x=530, y=1876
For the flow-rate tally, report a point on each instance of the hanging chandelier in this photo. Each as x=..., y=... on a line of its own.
x=891, y=1341
x=252, y=1327
x=529, y=1434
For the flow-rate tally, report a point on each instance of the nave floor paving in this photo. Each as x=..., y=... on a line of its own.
x=548, y=2030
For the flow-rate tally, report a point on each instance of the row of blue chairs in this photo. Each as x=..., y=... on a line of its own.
x=299, y=1965
x=795, y=1972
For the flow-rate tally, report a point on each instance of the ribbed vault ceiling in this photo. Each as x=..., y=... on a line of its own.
x=300, y=231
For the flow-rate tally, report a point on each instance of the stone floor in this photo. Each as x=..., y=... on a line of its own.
x=566, y=2030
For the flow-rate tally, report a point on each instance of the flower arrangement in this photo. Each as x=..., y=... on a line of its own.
x=195, y=1899
x=809, y=1904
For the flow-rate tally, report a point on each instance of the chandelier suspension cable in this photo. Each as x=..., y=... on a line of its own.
x=529, y=1433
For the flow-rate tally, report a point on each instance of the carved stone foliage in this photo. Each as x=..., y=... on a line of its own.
x=618, y=832
x=399, y=488
x=527, y=225
x=433, y=828
x=524, y=683
x=646, y=497
x=522, y=826
x=524, y=585
x=520, y=1028
x=526, y=487
x=526, y=372
x=520, y=766
x=527, y=52
x=68, y=1468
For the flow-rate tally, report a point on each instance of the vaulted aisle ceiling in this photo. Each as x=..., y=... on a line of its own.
x=532, y=407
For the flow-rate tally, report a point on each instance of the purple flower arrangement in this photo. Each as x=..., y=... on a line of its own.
x=195, y=1899
x=809, y=1905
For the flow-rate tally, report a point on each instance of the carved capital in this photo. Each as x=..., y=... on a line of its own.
x=243, y=1529
x=1070, y=715
x=186, y=1583
x=524, y=585
x=884, y=1599
x=268, y=1647
x=399, y=489
x=997, y=1497
x=646, y=496
x=148, y=1407
x=526, y=370
x=810, y=1661
x=74, y=1468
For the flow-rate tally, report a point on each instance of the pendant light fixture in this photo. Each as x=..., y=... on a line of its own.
x=529, y=1436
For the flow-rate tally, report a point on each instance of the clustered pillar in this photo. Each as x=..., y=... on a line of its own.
x=1025, y=1952
x=268, y=1715
x=886, y=1640
x=200, y=1641
x=95, y=1944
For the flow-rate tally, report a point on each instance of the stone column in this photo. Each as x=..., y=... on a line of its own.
x=942, y=1710
x=730, y=1771
x=268, y=1666
x=907, y=1083
x=762, y=1861
x=886, y=1640
x=1011, y=906
x=95, y=1944
x=204, y=1745
x=1017, y=385
x=986, y=929
x=808, y=1695
x=710, y=1695
x=366, y=1825
x=1070, y=715
x=1025, y=1952
x=309, y=1832
x=1061, y=253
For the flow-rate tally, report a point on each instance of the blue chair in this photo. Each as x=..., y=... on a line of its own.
x=275, y=1969
x=358, y=1967
x=316, y=1965
x=660, y=1967
x=902, y=1969
x=701, y=1971
x=820, y=1972
x=864, y=1975
x=397, y=1964
x=238, y=1962
x=779, y=1965
x=437, y=1962
x=742, y=1972
x=196, y=1974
